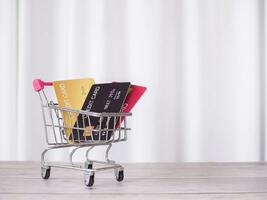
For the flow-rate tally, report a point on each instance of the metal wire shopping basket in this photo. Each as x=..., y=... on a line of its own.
x=57, y=129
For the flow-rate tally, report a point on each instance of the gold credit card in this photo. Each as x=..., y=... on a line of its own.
x=72, y=94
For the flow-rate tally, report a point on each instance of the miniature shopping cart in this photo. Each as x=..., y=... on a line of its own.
x=57, y=128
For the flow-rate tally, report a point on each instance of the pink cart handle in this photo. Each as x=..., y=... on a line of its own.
x=39, y=84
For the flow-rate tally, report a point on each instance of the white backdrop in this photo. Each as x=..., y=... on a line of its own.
x=202, y=61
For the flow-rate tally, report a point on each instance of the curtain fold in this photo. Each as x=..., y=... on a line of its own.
x=8, y=79
x=203, y=63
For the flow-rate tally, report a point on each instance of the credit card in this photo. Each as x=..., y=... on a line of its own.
x=72, y=94
x=107, y=98
x=133, y=96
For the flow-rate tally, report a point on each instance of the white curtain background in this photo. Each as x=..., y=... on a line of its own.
x=202, y=61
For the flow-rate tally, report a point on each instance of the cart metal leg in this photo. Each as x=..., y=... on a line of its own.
x=71, y=155
x=88, y=169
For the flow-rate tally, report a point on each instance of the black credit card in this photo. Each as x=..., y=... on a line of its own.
x=106, y=97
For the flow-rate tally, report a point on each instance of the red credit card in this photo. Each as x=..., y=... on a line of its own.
x=134, y=95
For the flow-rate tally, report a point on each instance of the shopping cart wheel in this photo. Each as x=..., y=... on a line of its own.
x=119, y=175
x=45, y=172
x=89, y=180
x=88, y=165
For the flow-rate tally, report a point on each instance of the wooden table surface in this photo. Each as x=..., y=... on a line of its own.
x=21, y=180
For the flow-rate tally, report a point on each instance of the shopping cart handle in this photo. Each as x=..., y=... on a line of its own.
x=39, y=84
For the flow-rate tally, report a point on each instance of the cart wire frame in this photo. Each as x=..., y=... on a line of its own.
x=57, y=130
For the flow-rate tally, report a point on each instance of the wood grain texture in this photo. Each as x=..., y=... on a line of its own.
x=21, y=180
